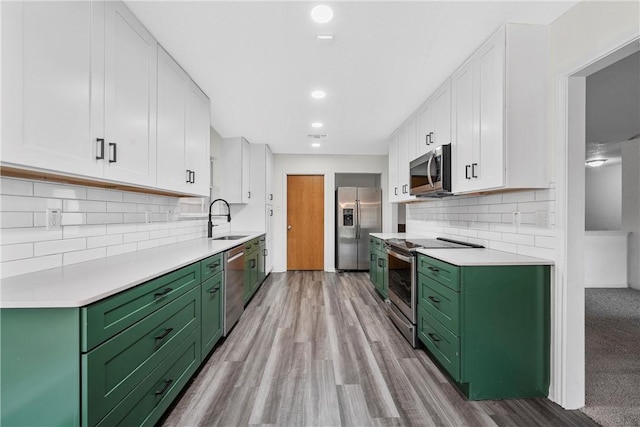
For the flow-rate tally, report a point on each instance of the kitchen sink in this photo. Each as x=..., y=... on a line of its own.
x=229, y=237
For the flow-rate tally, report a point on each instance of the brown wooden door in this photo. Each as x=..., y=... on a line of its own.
x=305, y=222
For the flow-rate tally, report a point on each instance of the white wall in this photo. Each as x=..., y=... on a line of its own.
x=286, y=164
x=603, y=197
x=579, y=37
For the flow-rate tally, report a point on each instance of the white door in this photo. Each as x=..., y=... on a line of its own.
x=463, y=127
x=130, y=97
x=394, y=188
x=46, y=86
x=197, y=140
x=488, y=166
x=441, y=116
x=172, y=91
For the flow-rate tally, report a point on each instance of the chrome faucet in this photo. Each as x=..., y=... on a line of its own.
x=210, y=224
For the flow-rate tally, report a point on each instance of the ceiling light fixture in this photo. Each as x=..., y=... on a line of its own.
x=322, y=14
x=324, y=39
x=318, y=94
x=316, y=125
x=315, y=144
x=594, y=163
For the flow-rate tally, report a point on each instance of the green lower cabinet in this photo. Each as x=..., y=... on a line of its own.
x=373, y=270
x=147, y=402
x=40, y=367
x=381, y=266
x=378, y=266
x=493, y=336
x=211, y=312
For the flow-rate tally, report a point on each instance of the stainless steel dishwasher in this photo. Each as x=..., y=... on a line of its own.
x=233, y=287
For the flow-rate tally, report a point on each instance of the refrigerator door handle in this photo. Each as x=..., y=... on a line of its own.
x=357, y=219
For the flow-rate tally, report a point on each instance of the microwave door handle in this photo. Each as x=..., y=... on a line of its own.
x=429, y=170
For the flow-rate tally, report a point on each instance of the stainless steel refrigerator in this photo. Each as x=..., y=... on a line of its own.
x=358, y=213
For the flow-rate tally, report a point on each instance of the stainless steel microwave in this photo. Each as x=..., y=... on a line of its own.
x=430, y=174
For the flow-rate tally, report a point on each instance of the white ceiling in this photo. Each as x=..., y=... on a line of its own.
x=259, y=61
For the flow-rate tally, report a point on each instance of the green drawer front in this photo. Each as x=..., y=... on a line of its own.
x=211, y=312
x=447, y=274
x=440, y=302
x=251, y=246
x=147, y=402
x=373, y=261
x=106, y=318
x=210, y=266
x=113, y=369
x=441, y=343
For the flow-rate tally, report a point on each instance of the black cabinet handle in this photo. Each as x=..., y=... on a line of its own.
x=163, y=293
x=434, y=337
x=270, y=196
x=373, y=257
x=434, y=300
x=249, y=194
x=167, y=384
x=426, y=139
x=214, y=264
x=395, y=191
x=101, y=142
x=114, y=151
x=188, y=176
x=214, y=290
x=163, y=335
x=193, y=177
x=431, y=141
x=270, y=212
x=473, y=170
x=435, y=270
x=265, y=252
x=466, y=171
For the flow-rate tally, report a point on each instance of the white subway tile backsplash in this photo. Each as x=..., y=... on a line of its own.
x=59, y=246
x=16, y=219
x=107, y=240
x=104, y=218
x=83, y=206
x=28, y=204
x=29, y=265
x=95, y=223
x=70, y=232
x=104, y=195
x=82, y=256
x=10, y=236
x=14, y=252
x=59, y=191
x=488, y=220
x=16, y=187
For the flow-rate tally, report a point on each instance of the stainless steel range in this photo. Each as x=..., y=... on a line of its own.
x=402, y=279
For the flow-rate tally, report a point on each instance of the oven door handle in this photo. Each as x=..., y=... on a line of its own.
x=429, y=170
x=400, y=256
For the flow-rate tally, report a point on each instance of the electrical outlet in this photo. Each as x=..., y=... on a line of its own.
x=169, y=216
x=54, y=219
x=517, y=218
x=147, y=217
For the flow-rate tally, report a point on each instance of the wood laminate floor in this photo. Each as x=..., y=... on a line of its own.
x=317, y=349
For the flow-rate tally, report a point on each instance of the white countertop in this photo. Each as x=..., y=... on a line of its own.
x=482, y=257
x=81, y=284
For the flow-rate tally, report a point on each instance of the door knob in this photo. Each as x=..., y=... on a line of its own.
x=288, y=227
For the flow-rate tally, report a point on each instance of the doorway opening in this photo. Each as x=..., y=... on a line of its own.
x=305, y=222
x=601, y=219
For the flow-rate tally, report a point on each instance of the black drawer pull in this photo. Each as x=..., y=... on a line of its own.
x=434, y=338
x=166, y=332
x=373, y=257
x=163, y=293
x=213, y=265
x=167, y=384
x=434, y=300
x=214, y=290
x=101, y=142
x=435, y=270
x=114, y=151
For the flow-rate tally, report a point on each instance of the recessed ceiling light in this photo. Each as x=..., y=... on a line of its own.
x=595, y=162
x=316, y=125
x=322, y=14
x=315, y=144
x=318, y=94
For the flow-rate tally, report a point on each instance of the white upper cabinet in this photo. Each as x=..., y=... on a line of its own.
x=434, y=120
x=499, y=102
x=130, y=84
x=394, y=185
x=47, y=54
x=235, y=168
x=183, y=130
x=269, y=174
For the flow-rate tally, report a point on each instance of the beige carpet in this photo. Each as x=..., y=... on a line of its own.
x=613, y=356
